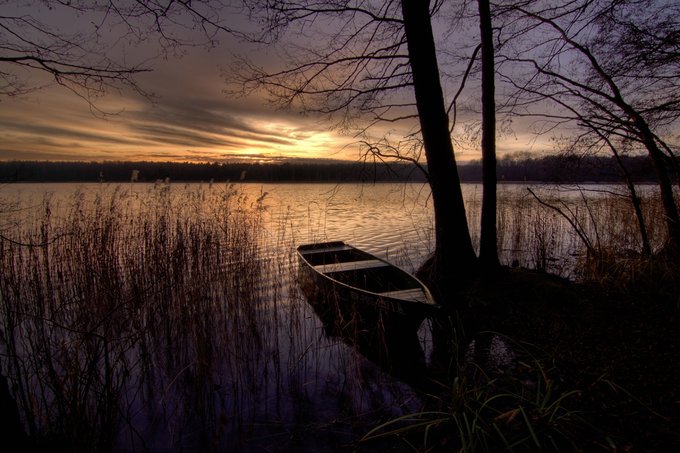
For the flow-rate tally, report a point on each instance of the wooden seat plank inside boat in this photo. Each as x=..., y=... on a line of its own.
x=349, y=266
x=328, y=249
x=415, y=294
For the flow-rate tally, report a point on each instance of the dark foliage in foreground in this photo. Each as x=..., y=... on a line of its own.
x=593, y=365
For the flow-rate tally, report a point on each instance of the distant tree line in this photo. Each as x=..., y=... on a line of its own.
x=567, y=168
x=512, y=169
x=120, y=171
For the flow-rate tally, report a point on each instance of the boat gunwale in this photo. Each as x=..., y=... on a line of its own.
x=430, y=303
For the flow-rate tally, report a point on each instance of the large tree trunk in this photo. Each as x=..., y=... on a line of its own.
x=488, y=247
x=454, y=258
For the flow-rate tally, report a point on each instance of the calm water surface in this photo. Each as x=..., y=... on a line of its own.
x=394, y=221
x=384, y=218
x=295, y=388
x=391, y=220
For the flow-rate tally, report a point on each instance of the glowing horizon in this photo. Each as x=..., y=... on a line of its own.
x=50, y=126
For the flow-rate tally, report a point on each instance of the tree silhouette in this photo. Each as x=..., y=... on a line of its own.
x=488, y=248
x=374, y=60
x=579, y=60
x=85, y=45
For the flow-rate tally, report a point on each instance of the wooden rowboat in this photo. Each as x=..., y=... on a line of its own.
x=370, y=287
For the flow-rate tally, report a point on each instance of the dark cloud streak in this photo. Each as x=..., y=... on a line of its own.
x=189, y=116
x=47, y=132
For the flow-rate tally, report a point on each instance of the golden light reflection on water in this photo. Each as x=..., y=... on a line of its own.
x=391, y=220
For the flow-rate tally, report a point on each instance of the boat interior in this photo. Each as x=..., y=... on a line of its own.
x=361, y=270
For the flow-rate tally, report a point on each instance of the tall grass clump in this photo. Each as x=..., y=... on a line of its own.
x=528, y=234
x=600, y=242
x=617, y=261
x=570, y=231
x=491, y=407
x=117, y=303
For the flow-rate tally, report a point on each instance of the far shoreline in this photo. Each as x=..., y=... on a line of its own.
x=543, y=170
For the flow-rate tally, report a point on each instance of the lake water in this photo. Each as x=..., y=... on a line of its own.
x=391, y=220
x=280, y=382
x=383, y=218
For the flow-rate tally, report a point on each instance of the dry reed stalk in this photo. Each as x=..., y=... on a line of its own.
x=130, y=296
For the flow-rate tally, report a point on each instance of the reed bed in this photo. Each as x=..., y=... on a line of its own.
x=155, y=318
x=535, y=236
x=116, y=301
x=165, y=318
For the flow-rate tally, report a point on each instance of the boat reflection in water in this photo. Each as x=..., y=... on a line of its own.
x=370, y=304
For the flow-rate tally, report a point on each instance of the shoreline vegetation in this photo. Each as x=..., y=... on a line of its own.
x=566, y=169
x=138, y=332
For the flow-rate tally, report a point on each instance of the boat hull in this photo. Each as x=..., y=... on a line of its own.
x=356, y=287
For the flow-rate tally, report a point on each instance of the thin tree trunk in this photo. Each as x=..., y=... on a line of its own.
x=673, y=159
x=488, y=247
x=454, y=258
x=665, y=185
x=635, y=199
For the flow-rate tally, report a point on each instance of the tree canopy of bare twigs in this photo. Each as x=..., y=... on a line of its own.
x=343, y=58
x=91, y=46
x=609, y=70
x=366, y=64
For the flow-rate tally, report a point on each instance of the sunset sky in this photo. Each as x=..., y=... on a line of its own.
x=189, y=118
